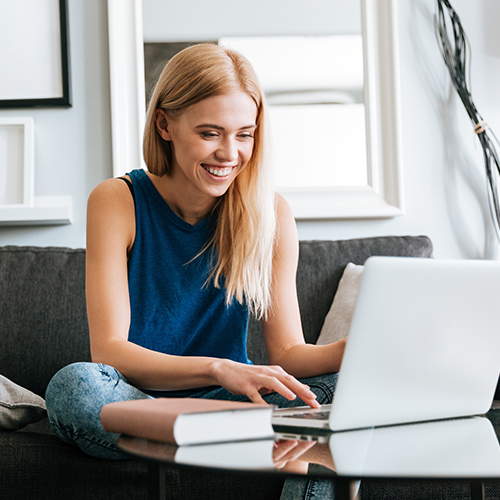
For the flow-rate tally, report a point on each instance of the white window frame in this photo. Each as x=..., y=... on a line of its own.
x=382, y=197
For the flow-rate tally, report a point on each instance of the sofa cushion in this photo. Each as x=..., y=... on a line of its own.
x=42, y=467
x=18, y=406
x=321, y=264
x=42, y=306
x=338, y=320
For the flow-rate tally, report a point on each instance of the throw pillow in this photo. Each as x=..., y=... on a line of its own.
x=338, y=320
x=18, y=406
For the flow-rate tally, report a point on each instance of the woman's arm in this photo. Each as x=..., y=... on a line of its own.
x=282, y=328
x=110, y=236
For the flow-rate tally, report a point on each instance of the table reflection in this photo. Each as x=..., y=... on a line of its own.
x=465, y=448
x=459, y=448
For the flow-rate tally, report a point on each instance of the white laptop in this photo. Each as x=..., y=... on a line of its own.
x=424, y=344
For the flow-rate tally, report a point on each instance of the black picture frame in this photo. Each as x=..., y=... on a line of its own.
x=63, y=100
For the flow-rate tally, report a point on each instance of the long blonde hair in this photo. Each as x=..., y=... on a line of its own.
x=245, y=232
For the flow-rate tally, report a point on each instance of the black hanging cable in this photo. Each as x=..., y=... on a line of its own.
x=456, y=56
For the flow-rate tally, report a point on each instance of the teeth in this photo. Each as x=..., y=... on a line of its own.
x=219, y=172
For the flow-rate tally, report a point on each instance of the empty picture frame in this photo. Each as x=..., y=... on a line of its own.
x=17, y=161
x=34, y=56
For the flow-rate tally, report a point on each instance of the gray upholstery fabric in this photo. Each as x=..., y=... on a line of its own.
x=42, y=306
x=42, y=467
x=321, y=264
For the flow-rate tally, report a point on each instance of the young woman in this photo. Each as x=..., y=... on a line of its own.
x=179, y=255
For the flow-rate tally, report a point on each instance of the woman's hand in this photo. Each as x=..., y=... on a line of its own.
x=286, y=451
x=291, y=453
x=254, y=381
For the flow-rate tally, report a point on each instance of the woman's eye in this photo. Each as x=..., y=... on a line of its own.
x=209, y=135
x=246, y=136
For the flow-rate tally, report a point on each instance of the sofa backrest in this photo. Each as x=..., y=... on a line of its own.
x=321, y=264
x=43, y=321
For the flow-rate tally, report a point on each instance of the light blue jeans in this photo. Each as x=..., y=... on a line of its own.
x=77, y=392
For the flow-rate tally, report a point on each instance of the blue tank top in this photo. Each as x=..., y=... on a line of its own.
x=173, y=308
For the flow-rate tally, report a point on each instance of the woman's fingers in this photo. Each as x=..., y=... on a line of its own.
x=290, y=388
x=254, y=381
x=256, y=398
x=289, y=450
x=281, y=449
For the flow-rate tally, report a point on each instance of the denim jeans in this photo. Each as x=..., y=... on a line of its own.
x=77, y=392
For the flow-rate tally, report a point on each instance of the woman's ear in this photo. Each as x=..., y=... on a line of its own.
x=162, y=123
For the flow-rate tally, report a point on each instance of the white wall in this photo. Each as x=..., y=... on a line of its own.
x=174, y=20
x=443, y=166
x=72, y=145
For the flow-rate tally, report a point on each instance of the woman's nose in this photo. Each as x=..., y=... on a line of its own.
x=227, y=151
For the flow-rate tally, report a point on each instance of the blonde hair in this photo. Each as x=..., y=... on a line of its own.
x=246, y=224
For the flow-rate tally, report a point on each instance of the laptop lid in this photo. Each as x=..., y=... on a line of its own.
x=424, y=343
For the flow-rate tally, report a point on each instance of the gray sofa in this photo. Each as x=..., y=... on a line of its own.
x=43, y=327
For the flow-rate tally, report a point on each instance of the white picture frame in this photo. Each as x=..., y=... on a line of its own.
x=381, y=197
x=17, y=161
x=18, y=204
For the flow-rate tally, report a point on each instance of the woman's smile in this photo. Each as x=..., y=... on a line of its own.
x=217, y=171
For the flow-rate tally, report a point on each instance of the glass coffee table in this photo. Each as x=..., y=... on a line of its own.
x=459, y=449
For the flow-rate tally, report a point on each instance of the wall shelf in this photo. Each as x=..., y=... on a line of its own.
x=50, y=210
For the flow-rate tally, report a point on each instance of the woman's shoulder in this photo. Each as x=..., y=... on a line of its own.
x=285, y=222
x=109, y=189
x=110, y=214
x=283, y=209
x=110, y=199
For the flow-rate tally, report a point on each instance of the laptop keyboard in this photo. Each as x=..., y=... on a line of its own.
x=312, y=415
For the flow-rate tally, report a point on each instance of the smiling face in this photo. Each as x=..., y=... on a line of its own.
x=211, y=141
